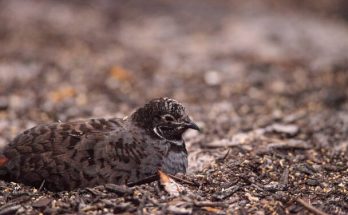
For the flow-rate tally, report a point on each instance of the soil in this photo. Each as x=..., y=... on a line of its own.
x=266, y=80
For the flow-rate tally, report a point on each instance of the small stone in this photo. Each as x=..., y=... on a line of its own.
x=312, y=182
x=212, y=78
x=291, y=130
x=10, y=210
x=42, y=202
x=118, y=189
x=3, y=103
x=305, y=168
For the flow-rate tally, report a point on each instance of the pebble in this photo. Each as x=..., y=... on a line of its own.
x=312, y=182
x=212, y=78
x=118, y=189
x=42, y=202
x=10, y=210
x=3, y=103
x=290, y=129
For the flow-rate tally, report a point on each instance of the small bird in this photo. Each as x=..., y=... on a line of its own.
x=65, y=156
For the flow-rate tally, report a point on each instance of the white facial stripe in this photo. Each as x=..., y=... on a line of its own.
x=177, y=142
x=158, y=133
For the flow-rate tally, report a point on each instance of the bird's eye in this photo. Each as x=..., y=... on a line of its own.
x=169, y=118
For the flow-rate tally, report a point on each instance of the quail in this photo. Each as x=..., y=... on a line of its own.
x=65, y=156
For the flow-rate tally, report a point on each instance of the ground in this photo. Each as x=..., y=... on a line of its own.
x=267, y=81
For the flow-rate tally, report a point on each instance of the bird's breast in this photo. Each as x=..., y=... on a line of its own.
x=175, y=160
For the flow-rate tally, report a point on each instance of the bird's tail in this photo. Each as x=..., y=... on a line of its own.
x=4, y=174
x=3, y=169
x=3, y=160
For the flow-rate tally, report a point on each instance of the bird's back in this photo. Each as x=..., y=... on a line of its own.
x=65, y=155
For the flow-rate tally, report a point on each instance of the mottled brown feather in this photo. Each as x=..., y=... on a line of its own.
x=92, y=152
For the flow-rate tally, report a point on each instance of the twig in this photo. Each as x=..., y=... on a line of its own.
x=42, y=184
x=183, y=180
x=209, y=204
x=222, y=159
x=144, y=181
x=141, y=206
x=94, y=191
x=226, y=193
x=156, y=177
x=289, y=145
x=284, y=179
x=310, y=207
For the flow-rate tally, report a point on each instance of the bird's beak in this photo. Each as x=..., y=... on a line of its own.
x=192, y=125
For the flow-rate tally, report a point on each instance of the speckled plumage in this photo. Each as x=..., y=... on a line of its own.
x=98, y=151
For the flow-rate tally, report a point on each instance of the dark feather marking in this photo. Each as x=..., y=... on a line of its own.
x=24, y=149
x=83, y=127
x=87, y=177
x=140, y=153
x=117, y=179
x=103, y=122
x=90, y=153
x=135, y=156
x=38, y=147
x=75, y=133
x=65, y=127
x=91, y=162
x=117, y=153
x=52, y=133
x=128, y=171
x=43, y=129
x=114, y=121
x=32, y=137
x=126, y=159
x=102, y=160
x=84, y=158
x=73, y=154
x=95, y=124
x=119, y=146
x=73, y=140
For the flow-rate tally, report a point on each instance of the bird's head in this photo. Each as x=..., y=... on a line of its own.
x=164, y=118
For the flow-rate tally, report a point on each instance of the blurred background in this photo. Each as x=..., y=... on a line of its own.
x=266, y=80
x=236, y=65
